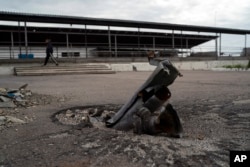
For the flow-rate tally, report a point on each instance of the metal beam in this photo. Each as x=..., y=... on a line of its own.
x=101, y=32
x=60, y=19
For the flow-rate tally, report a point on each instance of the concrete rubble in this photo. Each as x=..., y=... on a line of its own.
x=10, y=119
x=11, y=98
x=82, y=117
x=12, y=101
x=212, y=123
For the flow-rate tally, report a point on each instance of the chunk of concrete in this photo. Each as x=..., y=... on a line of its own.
x=8, y=104
x=15, y=120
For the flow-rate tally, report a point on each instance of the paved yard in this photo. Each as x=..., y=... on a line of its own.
x=214, y=108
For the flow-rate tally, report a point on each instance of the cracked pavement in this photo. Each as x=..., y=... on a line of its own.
x=213, y=107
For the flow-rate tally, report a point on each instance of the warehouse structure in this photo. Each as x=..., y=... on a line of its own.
x=85, y=41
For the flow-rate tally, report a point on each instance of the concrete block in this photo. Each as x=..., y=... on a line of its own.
x=143, y=67
x=121, y=67
x=6, y=70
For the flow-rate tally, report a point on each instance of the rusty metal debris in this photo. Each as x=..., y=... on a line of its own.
x=149, y=111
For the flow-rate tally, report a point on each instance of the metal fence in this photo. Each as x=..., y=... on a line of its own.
x=78, y=51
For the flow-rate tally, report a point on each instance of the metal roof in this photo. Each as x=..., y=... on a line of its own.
x=37, y=35
x=61, y=19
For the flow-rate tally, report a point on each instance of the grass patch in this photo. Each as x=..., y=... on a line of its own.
x=248, y=65
x=239, y=66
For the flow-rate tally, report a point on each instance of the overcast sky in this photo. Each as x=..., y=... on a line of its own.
x=220, y=13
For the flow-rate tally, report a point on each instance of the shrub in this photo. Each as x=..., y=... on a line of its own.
x=248, y=65
x=227, y=66
x=235, y=66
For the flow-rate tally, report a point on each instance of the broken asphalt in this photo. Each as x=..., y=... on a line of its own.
x=213, y=107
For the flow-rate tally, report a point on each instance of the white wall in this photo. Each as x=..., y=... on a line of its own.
x=181, y=65
x=40, y=52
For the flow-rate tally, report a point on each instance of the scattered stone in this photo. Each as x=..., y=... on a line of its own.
x=2, y=90
x=106, y=115
x=201, y=137
x=62, y=100
x=69, y=113
x=19, y=99
x=1, y=111
x=28, y=93
x=10, y=98
x=247, y=101
x=4, y=99
x=8, y=104
x=86, y=117
x=90, y=145
x=2, y=120
x=61, y=135
x=15, y=120
x=7, y=120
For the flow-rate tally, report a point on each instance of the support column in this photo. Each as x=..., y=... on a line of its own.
x=186, y=43
x=220, y=46
x=181, y=45
x=86, y=42
x=216, y=46
x=57, y=55
x=246, y=45
x=153, y=43
x=19, y=38
x=12, y=45
x=115, y=46
x=67, y=43
x=109, y=38
x=173, y=41
x=26, y=38
x=138, y=40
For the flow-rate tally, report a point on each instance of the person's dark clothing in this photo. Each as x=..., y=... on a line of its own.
x=49, y=48
x=49, y=51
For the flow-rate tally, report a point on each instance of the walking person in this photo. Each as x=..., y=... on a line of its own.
x=49, y=53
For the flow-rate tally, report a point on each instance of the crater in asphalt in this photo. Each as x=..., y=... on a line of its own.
x=85, y=116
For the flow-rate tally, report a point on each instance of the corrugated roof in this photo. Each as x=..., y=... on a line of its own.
x=61, y=19
x=37, y=35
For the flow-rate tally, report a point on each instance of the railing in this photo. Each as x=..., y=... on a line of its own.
x=79, y=51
